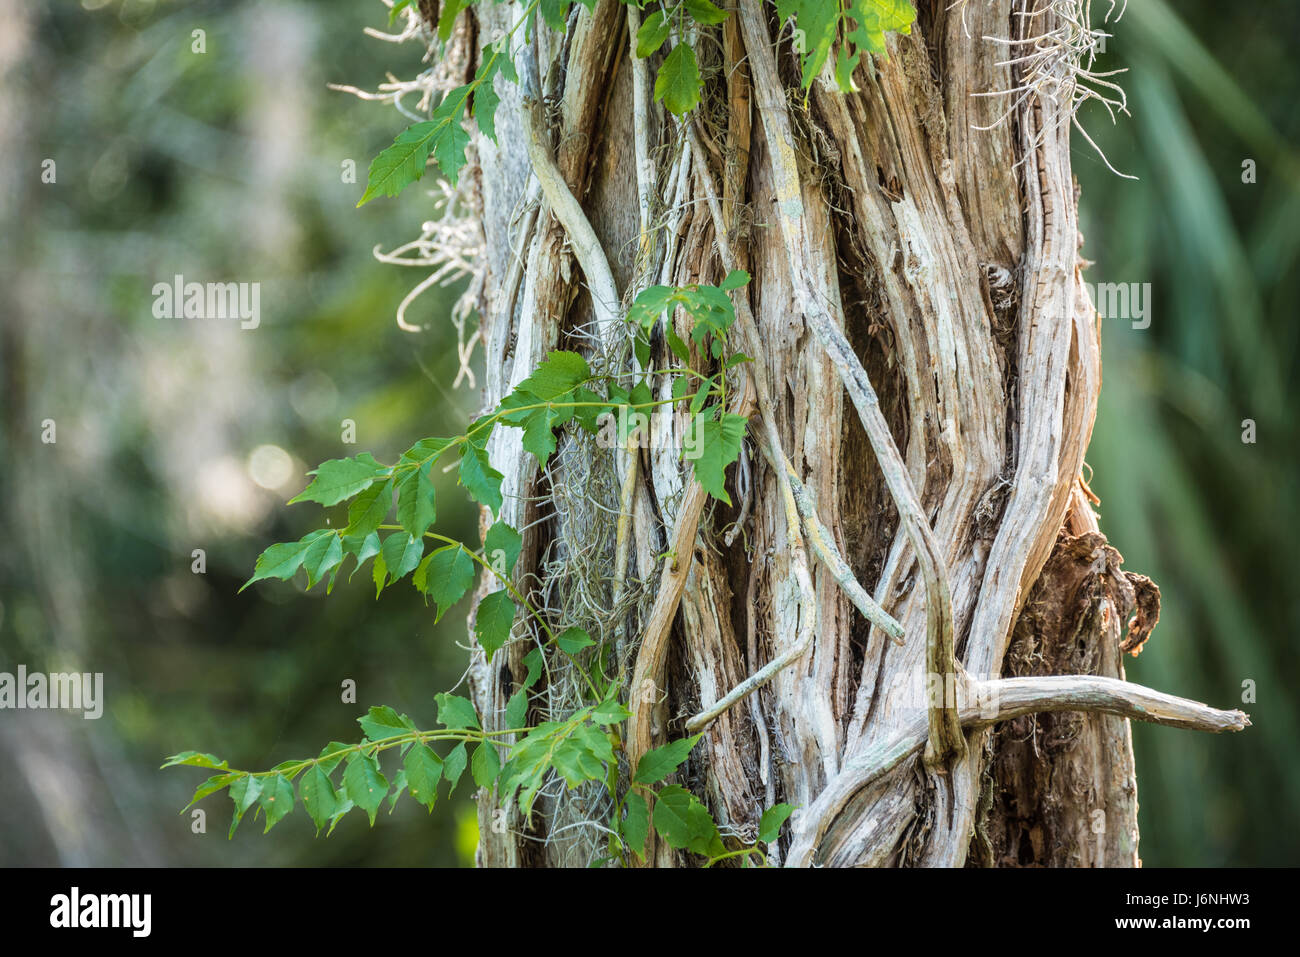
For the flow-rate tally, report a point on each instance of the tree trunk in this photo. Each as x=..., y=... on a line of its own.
x=948, y=258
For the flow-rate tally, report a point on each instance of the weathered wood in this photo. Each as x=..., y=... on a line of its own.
x=929, y=271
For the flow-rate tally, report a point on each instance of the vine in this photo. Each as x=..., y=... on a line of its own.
x=562, y=393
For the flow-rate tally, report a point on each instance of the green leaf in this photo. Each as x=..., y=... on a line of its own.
x=480, y=479
x=769, y=826
x=719, y=446
x=364, y=785
x=339, y=479
x=243, y=793
x=443, y=137
x=395, y=9
x=368, y=510
x=486, y=99
x=534, y=661
x=610, y=712
x=331, y=755
x=501, y=547
x=517, y=709
x=448, y=576
x=684, y=823
x=276, y=799
x=554, y=13
x=423, y=771
x=657, y=764
x=379, y=572
x=486, y=765
x=636, y=823
x=875, y=17
x=678, y=85
x=399, y=785
x=383, y=722
x=496, y=614
x=454, y=766
x=576, y=764
x=447, y=18
x=284, y=560
x=654, y=31
x=816, y=21
x=557, y=374
x=323, y=554
x=456, y=713
x=318, y=796
x=196, y=759
x=401, y=554
x=416, y=507
x=735, y=279
x=211, y=786
x=573, y=640
x=702, y=11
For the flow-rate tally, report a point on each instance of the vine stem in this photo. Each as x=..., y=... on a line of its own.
x=946, y=740
x=986, y=703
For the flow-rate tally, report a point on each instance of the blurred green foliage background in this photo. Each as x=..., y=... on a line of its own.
x=228, y=166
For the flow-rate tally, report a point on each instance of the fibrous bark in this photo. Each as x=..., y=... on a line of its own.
x=926, y=270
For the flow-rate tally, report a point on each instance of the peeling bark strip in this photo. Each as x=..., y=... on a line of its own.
x=930, y=271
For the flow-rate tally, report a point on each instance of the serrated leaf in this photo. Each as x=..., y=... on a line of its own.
x=480, y=479
x=501, y=548
x=702, y=11
x=368, y=510
x=654, y=31
x=211, y=786
x=769, y=826
x=554, y=13
x=517, y=709
x=486, y=99
x=364, y=784
x=243, y=793
x=719, y=446
x=447, y=17
x=339, y=479
x=443, y=137
x=196, y=759
x=423, y=771
x=318, y=796
x=379, y=572
x=534, y=661
x=557, y=374
x=657, y=764
x=323, y=554
x=276, y=799
x=683, y=822
x=874, y=18
x=735, y=279
x=401, y=554
x=456, y=713
x=284, y=559
x=331, y=755
x=610, y=712
x=448, y=576
x=454, y=766
x=678, y=85
x=636, y=823
x=416, y=505
x=492, y=622
x=486, y=765
x=573, y=640
x=575, y=763
x=383, y=722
